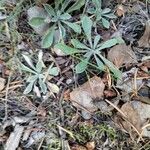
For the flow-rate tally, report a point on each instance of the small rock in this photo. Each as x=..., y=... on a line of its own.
x=86, y=115
x=103, y=106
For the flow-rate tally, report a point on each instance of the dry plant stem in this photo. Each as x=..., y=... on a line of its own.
x=39, y=147
x=12, y=88
x=135, y=85
x=145, y=126
x=125, y=118
x=60, y=105
x=143, y=147
x=6, y=96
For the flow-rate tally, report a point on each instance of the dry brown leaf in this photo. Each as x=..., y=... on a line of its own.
x=2, y=83
x=83, y=96
x=145, y=39
x=120, y=10
x=78, y=147
x=137, y=113
x=67, y=95
x=110, y=93
x=90, y=145
x=132, y=116
x=121, y=54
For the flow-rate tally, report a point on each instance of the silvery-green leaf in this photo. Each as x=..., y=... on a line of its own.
x=66, y=49
x=65, y=16
x=100, y=65
x=32, y=78
x=108, y=44
x=97, y=3
x=53, y=71
x=106, y=10
x=48, y=38
x=42, y=76
x=76, y=6
x=39, y=66
x=62, y=30
x=77, y=44
x=65, y=5
x=81, y=67
x=42, y=86
x=28, y=60
x=96, y=40
x=105, y=23
x=49, y=9
x=74, y=26
x=36, y=21
x=110, y=15
x=28, y=88
x=57, y=3
x=87, y=27
x=117, y=73
x=27, y=69
x=88, y=54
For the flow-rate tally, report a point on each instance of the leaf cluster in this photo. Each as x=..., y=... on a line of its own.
x=37, y=74
x=59, y=18
x=91, y=48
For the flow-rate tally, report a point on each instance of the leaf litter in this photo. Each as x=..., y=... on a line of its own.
x=33, y=119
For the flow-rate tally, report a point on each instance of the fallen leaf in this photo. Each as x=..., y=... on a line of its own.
x=2, y=83
x=83, y=96
x=145, y=39
x=41, y=111
x=121, y=54
x=110, y=93
x=67, y=95
x=132, y=116
x=53, y=88
x=120, y=10
x=137, y=113
x=90, y=145
x=78, y=147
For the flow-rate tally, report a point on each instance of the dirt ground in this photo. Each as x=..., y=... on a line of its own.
x=74, y=75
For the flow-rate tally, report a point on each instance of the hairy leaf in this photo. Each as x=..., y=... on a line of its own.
x=100, y=64
x=65, y=16
x=105, y=23
x=28, y=88
x=66, y=49
x=73, y=26
x=96, y=40
x=36, y=21
x=78, y=44
x=87, y=27
x=76, y=6
x=108, y=44
x=53, y=71
x=42, y=86
x=112, y=67
x=48, y=38
x=81, y=67
x=49, y=9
